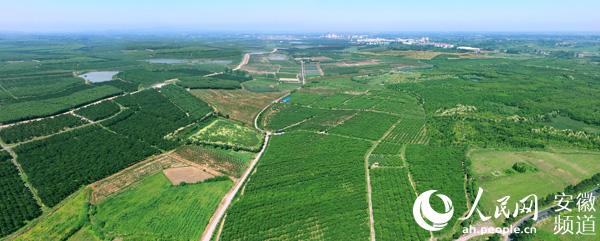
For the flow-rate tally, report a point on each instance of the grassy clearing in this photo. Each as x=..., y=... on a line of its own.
x=156, y=210
x=227, y=133
x=556, y=170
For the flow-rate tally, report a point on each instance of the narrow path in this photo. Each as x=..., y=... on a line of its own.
x=8, y=92
x=213, y=74
x=346, y=109
x=90, y=122
x=368, y=177
x=81, y=107
x=23, y=175
x=411, y=180
x=226, y=201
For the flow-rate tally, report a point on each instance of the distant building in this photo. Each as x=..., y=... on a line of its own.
x=476, y=50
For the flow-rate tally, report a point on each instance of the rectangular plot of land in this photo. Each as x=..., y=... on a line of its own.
x=190, y=175
x=388, y=148
x=368, y=125
x=318, y=193
x=378, y=160
x=393, y=197
x=408, y=131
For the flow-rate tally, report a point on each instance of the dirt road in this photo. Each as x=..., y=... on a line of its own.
x=226, y=201
x=213, y=224
x=244, y=62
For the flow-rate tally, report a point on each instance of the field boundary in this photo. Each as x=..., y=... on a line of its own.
x=24, y=176
x=368, y=177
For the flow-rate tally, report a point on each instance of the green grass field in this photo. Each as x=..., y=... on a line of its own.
x=556, y=170
x=152, y=209
x=63, y=221
x=227, y=133
x=156, y=210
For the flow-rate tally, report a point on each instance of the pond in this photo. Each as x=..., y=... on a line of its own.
x=99, y=76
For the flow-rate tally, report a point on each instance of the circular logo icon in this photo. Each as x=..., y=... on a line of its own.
x=428, y=218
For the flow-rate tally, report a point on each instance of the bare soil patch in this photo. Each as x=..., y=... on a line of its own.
x=190, y=175
x=127, y=177
x=241, y=105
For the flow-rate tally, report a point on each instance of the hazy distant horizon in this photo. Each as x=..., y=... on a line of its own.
x=300, y=17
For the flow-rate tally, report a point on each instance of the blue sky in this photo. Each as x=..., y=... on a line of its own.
x=301, y=15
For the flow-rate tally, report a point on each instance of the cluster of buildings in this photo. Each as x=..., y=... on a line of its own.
x=424, y=41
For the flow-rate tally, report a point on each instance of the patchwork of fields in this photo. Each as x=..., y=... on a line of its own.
x=349, y=150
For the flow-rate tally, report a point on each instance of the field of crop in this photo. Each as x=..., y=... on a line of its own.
x=39, y=85
x=192, y=106
x=59, y=165
x=99, y=111
x=447, y=165
x=31, y=109
x=229, y=134
x=408, y=131
x=368, y=125
x=393, y=197
x=240, y=105
x=226, y=161
x=362, y=102
x=387, y=148
x=298, y=197
x=331, y=101
x=150, y=118
x=525, y=110
x=17, y=203
x=47, y=126
x=555, y=171
x=156, y=210
x=149, y=77
x=285, y=115
x=177, y=213
x=326, y=120
x=62, y=222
